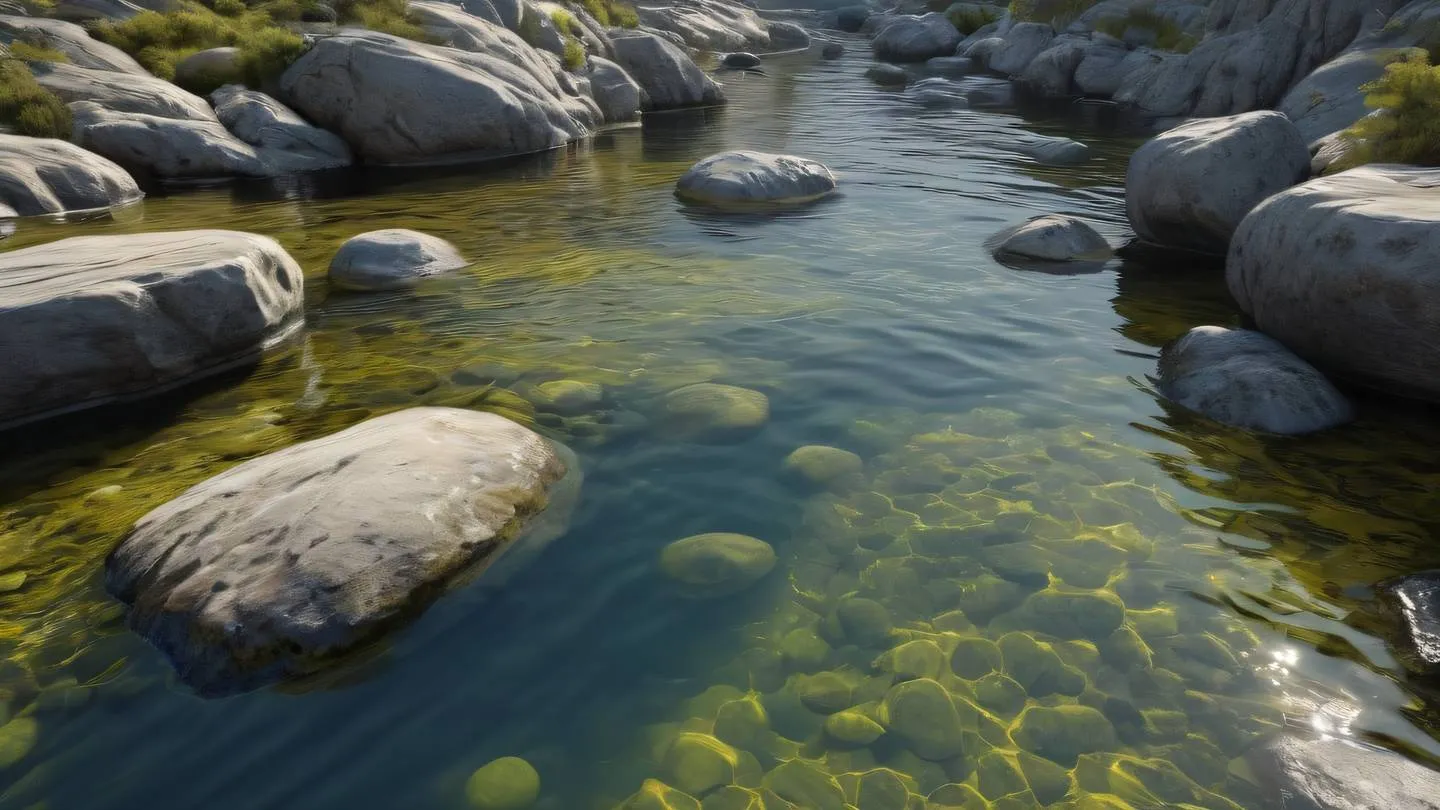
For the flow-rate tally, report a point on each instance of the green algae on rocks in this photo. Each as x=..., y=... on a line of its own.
x=508, y=783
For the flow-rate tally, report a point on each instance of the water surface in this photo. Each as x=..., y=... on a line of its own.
x=1013, y=445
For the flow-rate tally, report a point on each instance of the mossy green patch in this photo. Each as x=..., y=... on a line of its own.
x=1063, y=733
x=882, y=789
x=921, y=715
x=697, y=763
x=806, y=785
x=718, y=563
x=921, y=658
x=508, y=783
x=656, y=795
x=28, y=108
x=859, y=621
x=853, y=728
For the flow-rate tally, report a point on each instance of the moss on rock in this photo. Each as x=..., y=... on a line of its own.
x=697, y=763
x=1074, y=614
x=974, y=658
x=853, y=728
x=1036, y=666
x=741, y=723
x=921, y=715
x=508, y=783
x=656, y=795
x=1000, y=694
x=824, y=466
x=1062, y=733
x=717, y=563
x=711, y=411
x=860, y=621
x=881, y=789
x=806, y=785
x=921, y=658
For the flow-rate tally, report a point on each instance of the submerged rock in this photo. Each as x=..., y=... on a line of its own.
x=669, y=77
x=1415, y=599
x=508, y=783
x=398, y=101
x=887, y=75
x=715, y=411
x=850, y=18
x=1062, y=733
x=832, y=50
x=1336, y=774
x=108, y=317
x=1191, y=186
x=920, y=714
x=656, y=795
x=277, y=566
x=853, y=728
x=823, y=466
x=746, y=177
x=1249, y=380
x=1052, y=238
x=916, y=38
x=1341, y=270
x=49, y=176
x=697, y=763
x=391, y=259
x=718, y=563
x=1056, y=151
x=740, y=61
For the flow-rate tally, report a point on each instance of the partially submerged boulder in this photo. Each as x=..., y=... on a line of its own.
x=276, y=567
x=1249, y=380
x=172, y=148
x=916, y=38
x=1333, y=773
x=718, y=563
x=747, y=177
x=391, y=259
x=49, y=176
x=618, y=96
x=669, y=77
x=1342, y=271
x=398, y=101
x=1191, y=186
x=1051, y=238
x=110, y=317
x=1415, y=600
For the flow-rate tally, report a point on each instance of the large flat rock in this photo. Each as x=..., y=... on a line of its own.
x=276, y=567
x=96, y=318
x=71, y=40
x=50, y=176
x=1342, y=271
x=121, y=92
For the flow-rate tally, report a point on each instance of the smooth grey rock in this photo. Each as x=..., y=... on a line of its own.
x=1105, y=68
x=1248, y=380
x=71, y=40
x=213, y=67
x=851, y=18
x=171, y=148
x=96, y=318
x=740, y=61
x=1342, y=270
x=1329, y=99
x=1191, y=186
x=616, y=93
x=710, y=25
x=511, y=12
x=49, y=176
x=540, y=29
x=121, y=92
x=397, y=101
x=953, y=65
x=284, y=140
x=669, y=77
x=276, y=567
x=87, y=10
x=938, y=92
x=1415, y=600
x=1052, y=73
x=391, y=259
x=1018, y=48
x=1331, y=773
x=915, y=39
x=887, y=75
x=1052, y=238
x=745, y=177
x=787, y=36
x=1054, y=151
x=832, y=50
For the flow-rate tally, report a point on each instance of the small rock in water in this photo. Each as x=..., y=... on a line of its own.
x=822, y=465
x=740, y=61
x=391, y=259
x=744, y=177
x=1249, y=380
x=832, y=50
x=1415, y=598
x=937, y=92
x=950, y=64
x=718, y=563
x=1057, y=151
x=508, y=783
x=887, y=75
x=1052, y=238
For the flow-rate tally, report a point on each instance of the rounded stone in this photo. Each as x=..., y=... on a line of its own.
x=568, y=397
x=832, y=50
x=1062, y=733
x=860, y=621
x=881, y=789
x=804, y=785
x=974, y=658
x=391, y=259
x=747, y=177
x=697, y=763
x=822, y=465
x=853, y=728
x=716, y=410
x=921, y=715
x=741, y=722
x=921, y=658
x=887, y=75
x=740, y=61
x=1051, y=238
x=717, y=563
x=1000, y=694
x=508, y=783
x=1069, y=615
x=803, y=650
x=206, y=70
x=825, y=693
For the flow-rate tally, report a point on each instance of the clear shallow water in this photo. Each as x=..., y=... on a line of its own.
x=996, y=409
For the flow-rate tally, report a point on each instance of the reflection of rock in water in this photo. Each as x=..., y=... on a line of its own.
x=1160, y=300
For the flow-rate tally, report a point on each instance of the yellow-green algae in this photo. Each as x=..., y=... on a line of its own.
x=507, y=783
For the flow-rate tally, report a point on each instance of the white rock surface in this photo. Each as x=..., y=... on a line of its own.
x=397, y=101
x=171, y=148
x=1191, y=186
x=1248, y=380
x=275, y=567
x=392, y=259
x=49, y=176
x=95, y=318
x=1342, y=270
x=709, y=25
x=744, y=177
x=71, y=40
x=669, y=77
x=121, y=92
x=284, y=140
x=616, y=93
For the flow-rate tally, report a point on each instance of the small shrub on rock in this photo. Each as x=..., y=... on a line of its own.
x=1406, y=128
x=27, y=108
